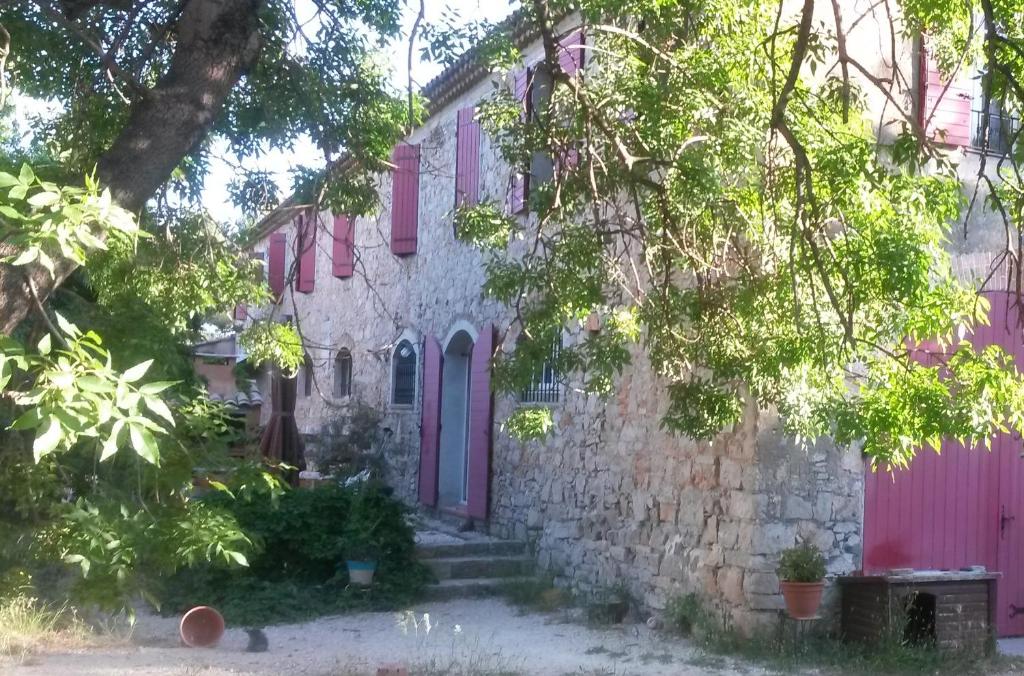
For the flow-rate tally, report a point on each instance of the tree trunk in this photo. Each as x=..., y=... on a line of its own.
x=217, y=41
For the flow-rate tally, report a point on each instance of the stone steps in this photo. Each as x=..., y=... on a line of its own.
x=471, y=548
x=472, y=565
x=469, y=567
x=447, y=590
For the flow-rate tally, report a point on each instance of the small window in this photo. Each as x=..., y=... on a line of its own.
x=403, y=389
x=343, y=373
x=544, y=387
x=1002, y=126
x=307, y=377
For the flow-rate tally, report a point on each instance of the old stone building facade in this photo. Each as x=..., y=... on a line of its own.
x=609, y=497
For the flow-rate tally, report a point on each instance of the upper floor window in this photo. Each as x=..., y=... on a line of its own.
x=343, y=373
x=955, y=112
x=544, y=387
x=403, y=374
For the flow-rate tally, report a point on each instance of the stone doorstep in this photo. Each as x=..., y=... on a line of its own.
x=447, y=590
x=479, y=567
x=449, y=550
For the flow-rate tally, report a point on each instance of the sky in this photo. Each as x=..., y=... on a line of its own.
x=215, y=196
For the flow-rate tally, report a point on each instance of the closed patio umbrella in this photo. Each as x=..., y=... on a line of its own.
x=281, y=441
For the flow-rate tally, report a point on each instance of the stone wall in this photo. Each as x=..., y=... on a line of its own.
x=610, y=497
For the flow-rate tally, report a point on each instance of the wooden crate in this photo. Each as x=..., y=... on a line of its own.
x=954, y=610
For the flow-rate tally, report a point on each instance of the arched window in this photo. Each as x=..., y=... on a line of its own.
x=307, y=376
x=403, y=372
x=343, y=373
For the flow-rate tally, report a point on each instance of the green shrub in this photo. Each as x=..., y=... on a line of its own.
x=803, y=563
x=685, y=614
x=298, y=571
x=538, y=593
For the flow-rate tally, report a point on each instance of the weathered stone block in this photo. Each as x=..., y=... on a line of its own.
x=772, y=538
x=795, y=507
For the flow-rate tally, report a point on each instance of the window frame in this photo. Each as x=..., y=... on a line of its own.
x=545, y=389
x=307, y=376
x=344, y=357
x=414, y=373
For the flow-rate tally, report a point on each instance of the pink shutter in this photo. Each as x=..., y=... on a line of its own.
x=240, y=312
x=278, y=242
x=344, y=246
x=430, y=424
x=947, y=109
x=306, y=273
x=405, y=199
x=480, y=423
x=570, y=52
x=467, y=158
x=521, y=179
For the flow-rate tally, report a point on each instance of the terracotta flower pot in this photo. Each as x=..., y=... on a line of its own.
x=201, y=627
x=802, y=598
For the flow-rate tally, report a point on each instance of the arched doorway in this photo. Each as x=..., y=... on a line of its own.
x=453, y=456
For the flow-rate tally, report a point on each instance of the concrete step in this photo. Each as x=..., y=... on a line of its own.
x=471, y=548
x=461, y=568
x=447, y=590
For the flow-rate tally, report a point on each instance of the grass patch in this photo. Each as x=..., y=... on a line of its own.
x=538, y=594
x=28, y=625
x=783, y=651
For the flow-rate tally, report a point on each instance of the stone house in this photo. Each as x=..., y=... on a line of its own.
x=391, y=313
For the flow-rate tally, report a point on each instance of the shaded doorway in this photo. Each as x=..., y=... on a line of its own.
x=453, y=456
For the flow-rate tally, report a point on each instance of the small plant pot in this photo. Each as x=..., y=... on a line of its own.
x=361, y=572
x=201, y=627
x=802, y=598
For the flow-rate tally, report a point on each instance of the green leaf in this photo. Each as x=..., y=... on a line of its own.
x=26, y=176
x=144, y=443
x=7, y=180
x=44, y=199
x=157, y=386
x=239, y=558
x=47, y=440
x=110, y=444
x=81, y=561
x=44, y=345
x=95, y=385
x=160, y=408
x=26, y=256
x=136, y=372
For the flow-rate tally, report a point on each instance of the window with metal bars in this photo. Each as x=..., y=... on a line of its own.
x=403, y=381
x=544, y=387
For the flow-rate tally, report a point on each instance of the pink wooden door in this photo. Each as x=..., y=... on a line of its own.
x=430, y=422
x=960, y=508
x=1005, y=330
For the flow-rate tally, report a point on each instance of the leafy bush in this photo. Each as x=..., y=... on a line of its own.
x=686, y=614
x=297, y=570
x=803, y=563
x=538, y=593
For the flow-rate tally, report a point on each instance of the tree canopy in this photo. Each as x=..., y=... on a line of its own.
x=724, y=195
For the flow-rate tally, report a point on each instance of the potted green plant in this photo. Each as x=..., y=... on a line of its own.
x=360, y=543
x=802, y=579
x=361, y=557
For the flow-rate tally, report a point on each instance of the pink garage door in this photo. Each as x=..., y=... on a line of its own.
x=961, y=508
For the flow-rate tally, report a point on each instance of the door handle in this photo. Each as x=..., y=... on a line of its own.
x=1003, y=521
x=1016, y=610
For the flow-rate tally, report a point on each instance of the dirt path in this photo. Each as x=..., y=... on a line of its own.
x=465, y=637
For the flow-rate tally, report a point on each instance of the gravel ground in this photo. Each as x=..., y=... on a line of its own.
x=484, y=636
